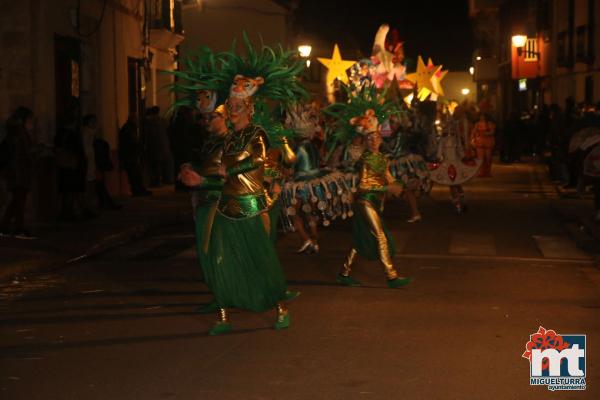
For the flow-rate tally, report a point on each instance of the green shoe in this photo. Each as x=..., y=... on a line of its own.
x=220, y=328
x=207, y=308
x=283, y=322
x=398, y=282
x=347, y=281
x=290, y=295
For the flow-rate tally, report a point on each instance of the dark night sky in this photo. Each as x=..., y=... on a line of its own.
x=440, y=30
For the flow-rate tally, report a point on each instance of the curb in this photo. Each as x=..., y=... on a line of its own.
x=11, y=271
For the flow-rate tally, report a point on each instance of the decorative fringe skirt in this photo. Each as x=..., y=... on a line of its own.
x=241, y=267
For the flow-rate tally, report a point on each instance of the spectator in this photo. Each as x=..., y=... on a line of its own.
x=90, y=125
x=158, y=148
x=18, y=166
x=103, y=165
x=542, y=130
x=184, y=136
x=129, y=156
x=484, y=141
x=72, y=168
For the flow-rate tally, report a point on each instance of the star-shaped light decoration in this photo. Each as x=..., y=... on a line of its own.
x=336, y=67
x=428, y=79
x=436, y=80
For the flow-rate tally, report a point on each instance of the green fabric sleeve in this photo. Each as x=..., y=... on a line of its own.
x=210, y=183
x=243, y=166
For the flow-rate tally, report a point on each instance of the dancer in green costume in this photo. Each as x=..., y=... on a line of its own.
x=370, y=238
x=243, y=269
x=194, y=90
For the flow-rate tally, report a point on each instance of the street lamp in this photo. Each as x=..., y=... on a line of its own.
x=304, y=50
x=465, y=91
x=472, y=70
x=519, y=40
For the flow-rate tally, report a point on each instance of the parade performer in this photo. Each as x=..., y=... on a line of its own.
x=484, y=141
x=313, y=196
x=280, y=157
x=307, y=168
x=371, y=239
x=206, y=159
x=243, y=270
x=407, y=166
x=452, y=168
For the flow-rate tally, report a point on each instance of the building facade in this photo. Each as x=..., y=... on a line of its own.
x=104, y=56
x=534, y=52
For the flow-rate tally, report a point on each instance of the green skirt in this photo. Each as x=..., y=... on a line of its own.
x=363, y=238
x=203, y=214
x=242, y=268
x=274, y=214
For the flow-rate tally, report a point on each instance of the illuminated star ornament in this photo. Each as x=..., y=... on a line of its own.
x=336, y=68
x=428, y=79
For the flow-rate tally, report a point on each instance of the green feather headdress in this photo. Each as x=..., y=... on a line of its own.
x=280, y=70
x=359, y=101
x=200, y=72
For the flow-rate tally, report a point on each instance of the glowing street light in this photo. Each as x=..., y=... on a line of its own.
x=304, y=50
x=478, y=58
x=465, y=91
x=519, y=40
x=472, y=70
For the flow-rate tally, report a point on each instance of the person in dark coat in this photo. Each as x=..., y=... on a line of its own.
x=158, y=151
x=103, y=164
x=72, y=168
x=18, y=172
x=183, y=139
x=129, y=156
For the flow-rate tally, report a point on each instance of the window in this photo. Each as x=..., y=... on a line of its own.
x=531, y=50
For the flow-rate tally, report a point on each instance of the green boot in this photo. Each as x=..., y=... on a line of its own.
x=347, y=281
x=282, y=322
x=220, y=328
x=398, y=282
x=283, y=317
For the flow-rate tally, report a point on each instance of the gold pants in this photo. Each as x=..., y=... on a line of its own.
x=370, y=215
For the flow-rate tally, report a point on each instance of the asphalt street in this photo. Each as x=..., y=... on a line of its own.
x=121, y=325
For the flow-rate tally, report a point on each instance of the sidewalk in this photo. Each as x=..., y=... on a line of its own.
x=61, y=243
